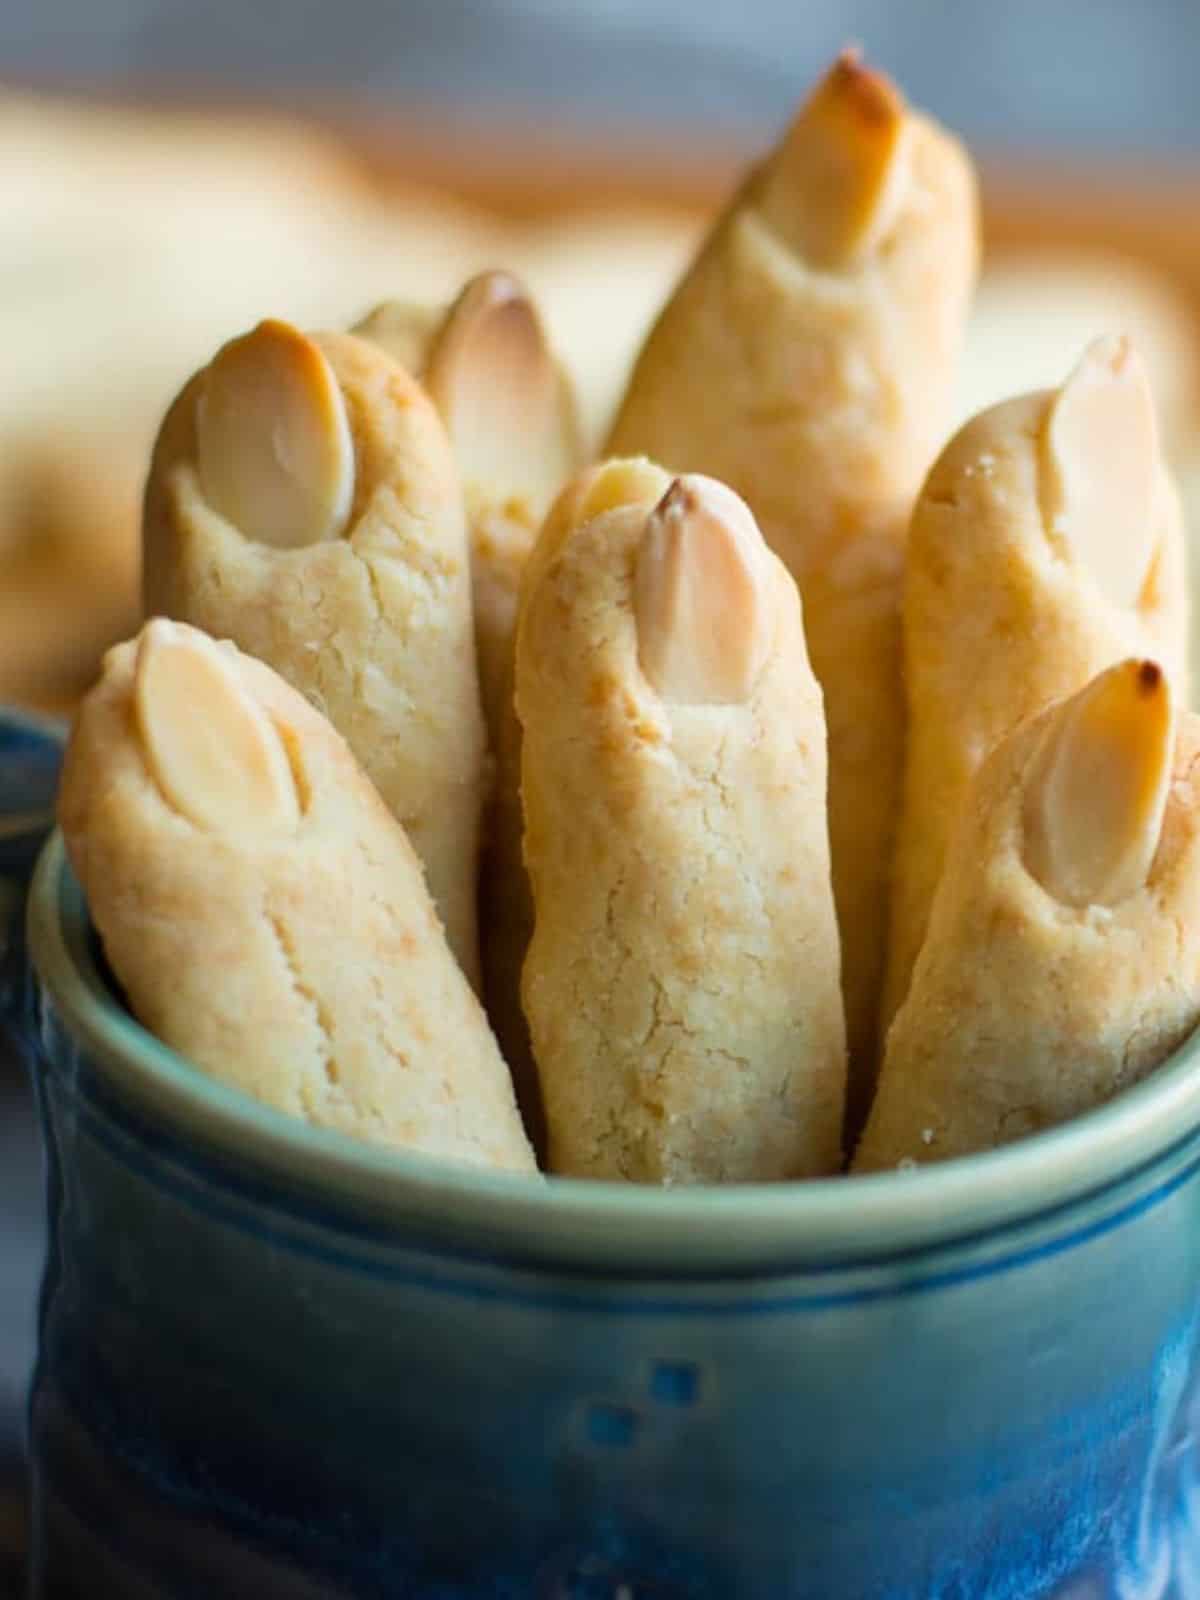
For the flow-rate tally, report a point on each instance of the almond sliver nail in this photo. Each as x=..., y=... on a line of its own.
x=273, y=445
x=840, y=177
x=494, y=379
x=701, y=595
x=210, y=747
x=1099, y=466
x=1094, y=807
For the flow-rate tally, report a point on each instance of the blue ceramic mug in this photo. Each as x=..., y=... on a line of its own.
x=274, y=1362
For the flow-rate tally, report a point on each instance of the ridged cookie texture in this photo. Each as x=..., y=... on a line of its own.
x=303, y=501
x=509, y=409
x=264, y=911
x=1062, y=962
x=808, y=359
x=1047, y=543
x=682, y=981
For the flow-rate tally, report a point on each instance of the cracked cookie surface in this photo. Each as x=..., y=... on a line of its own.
x=1062, y=961
x=682, y=981
x=369, y=613
x=264, y=911
x=1039, y=554
x=807, y=358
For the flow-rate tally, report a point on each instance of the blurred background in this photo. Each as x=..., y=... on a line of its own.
x=172, y=171
x=1088, y=75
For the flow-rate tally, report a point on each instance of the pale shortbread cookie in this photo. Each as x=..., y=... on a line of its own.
x=1062, y=962
x=506, y=899
x=303, y=501
x=808, y=359
x=509, y=409
x=505, y=896
x=682, y=981
x=1046, y=544
x=263, y=910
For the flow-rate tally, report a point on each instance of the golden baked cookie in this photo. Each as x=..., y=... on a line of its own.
x=808, y=360
x=682, y=981
x=1046, y=544
x=510, y=412
x=303, y=501
x=264, y=911
x=1062, y=962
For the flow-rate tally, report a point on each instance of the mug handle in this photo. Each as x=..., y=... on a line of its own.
x=31, y=751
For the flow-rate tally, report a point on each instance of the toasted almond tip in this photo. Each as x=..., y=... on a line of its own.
x=680, y=499
x=835, y=186
x=496, y=286
x=870, y=93
x=1150, y=677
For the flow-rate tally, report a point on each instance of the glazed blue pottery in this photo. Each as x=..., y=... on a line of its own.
x=275, y=1363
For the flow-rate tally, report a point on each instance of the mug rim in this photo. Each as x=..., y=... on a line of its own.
x=604, y=1225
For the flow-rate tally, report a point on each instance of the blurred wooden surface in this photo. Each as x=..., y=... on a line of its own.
x=1149, y=213
x=547, y=195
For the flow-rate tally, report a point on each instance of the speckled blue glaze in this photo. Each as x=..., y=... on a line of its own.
x=263, y=1379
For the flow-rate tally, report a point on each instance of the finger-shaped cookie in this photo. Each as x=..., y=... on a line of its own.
x=1046, y=544
x=509, y=410
x=510, y=413
x=808, y=359
x=303, y=501
x=505, y=896
x=682, y=981
x=1062, y=961
x=264, y=911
